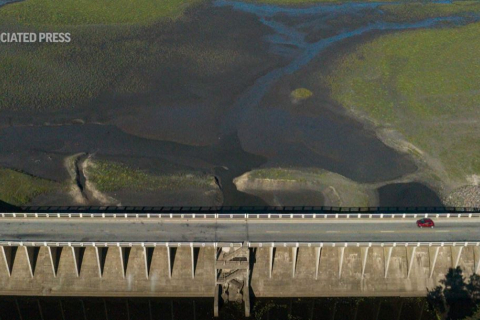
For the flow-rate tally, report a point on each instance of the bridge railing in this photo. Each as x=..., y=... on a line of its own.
x=240, y=210
x=238, y=216
x=99, y=244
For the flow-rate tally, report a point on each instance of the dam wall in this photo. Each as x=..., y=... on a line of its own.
x=192, y=269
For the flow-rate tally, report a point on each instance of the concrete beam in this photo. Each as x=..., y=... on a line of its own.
x=457, y=260
x=294, y=260
x=54, y=255
x=32, y=256
x=78, y=254
x=364, y=262
x=379, y=307
x=216, y=298
x=100, y=255
x=432, y=266
x=148, y=255
x=272, y=257
x=410, y=262
x=192, y=251
x=476, y=254
x=318, y=253
x=387, y=264
x=124, y=257
x=342, y=253
x=8, y=255
x=169, y=260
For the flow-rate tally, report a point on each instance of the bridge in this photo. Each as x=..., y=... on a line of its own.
x=231, y=254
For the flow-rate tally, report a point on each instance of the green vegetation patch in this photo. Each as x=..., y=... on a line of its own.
x=81, y=12
x=337, y=189
x=18, y=188
x=112, y=176
x=301, y=94
x=423, y=83
x=425, y=10
x=118, y=51
x=301, y=2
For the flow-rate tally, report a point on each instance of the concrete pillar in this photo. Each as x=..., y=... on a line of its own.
x=150, y=309
x=216, y=298
x=387, y=264
x=400, y=309
x=54, y=255
x=194, y=310
x=215, y=256
x=246, y=298
x=124, y=256
x=457, y=260
x=312, y=308
x=100, y=255
x=356, y=311
x=8, y=255
x=432, y=266
x=106, y=309
x=318, y=252
x=410, y=262
x=364, y=263
x=378, y=310
x=294, y=260
x=147, y=258
x=420, y=315
x=18, y=309
x=476, y=254
x=32, y=255
x=342, y=253
x=40, y=311
x=334, y=310
x=84, y=310
x=61, y=309
x=270, y=269
x=78, y=253
x=193, y=261
x=169, y=260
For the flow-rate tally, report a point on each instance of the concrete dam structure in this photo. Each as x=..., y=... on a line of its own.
x=233, y=257
x=270, y=271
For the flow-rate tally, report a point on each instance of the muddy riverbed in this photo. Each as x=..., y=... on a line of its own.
x=239, y=118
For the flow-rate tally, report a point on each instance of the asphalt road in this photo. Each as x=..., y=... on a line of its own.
x=156, y=230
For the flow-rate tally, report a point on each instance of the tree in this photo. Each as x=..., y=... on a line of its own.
x=455, y=299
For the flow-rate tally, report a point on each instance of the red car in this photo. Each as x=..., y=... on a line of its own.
x=425, y=223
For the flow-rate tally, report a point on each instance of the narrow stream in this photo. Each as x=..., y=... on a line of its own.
x=285, y=36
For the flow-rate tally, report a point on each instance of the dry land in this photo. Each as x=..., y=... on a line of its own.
x=424, y=85
x=173, y=99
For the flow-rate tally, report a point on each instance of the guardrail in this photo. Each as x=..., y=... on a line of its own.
x=241, y=210
x=238, y=216
x=237, y=244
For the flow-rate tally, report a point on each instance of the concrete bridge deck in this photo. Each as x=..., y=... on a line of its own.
x=187, y=257
x=236, y=230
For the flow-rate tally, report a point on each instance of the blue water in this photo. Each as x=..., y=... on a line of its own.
x=3, y=2
x=288, y=40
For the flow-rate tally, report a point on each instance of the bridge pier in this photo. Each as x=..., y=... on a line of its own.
x=279, y=270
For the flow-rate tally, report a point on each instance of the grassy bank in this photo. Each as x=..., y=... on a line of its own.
x=306, y=2
x=42, y=77
x=116, y=51
x=425, y=84
x=19, y=189
x=81, y=12
x=336, y=189
x=424, y=10
x=112, y=176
